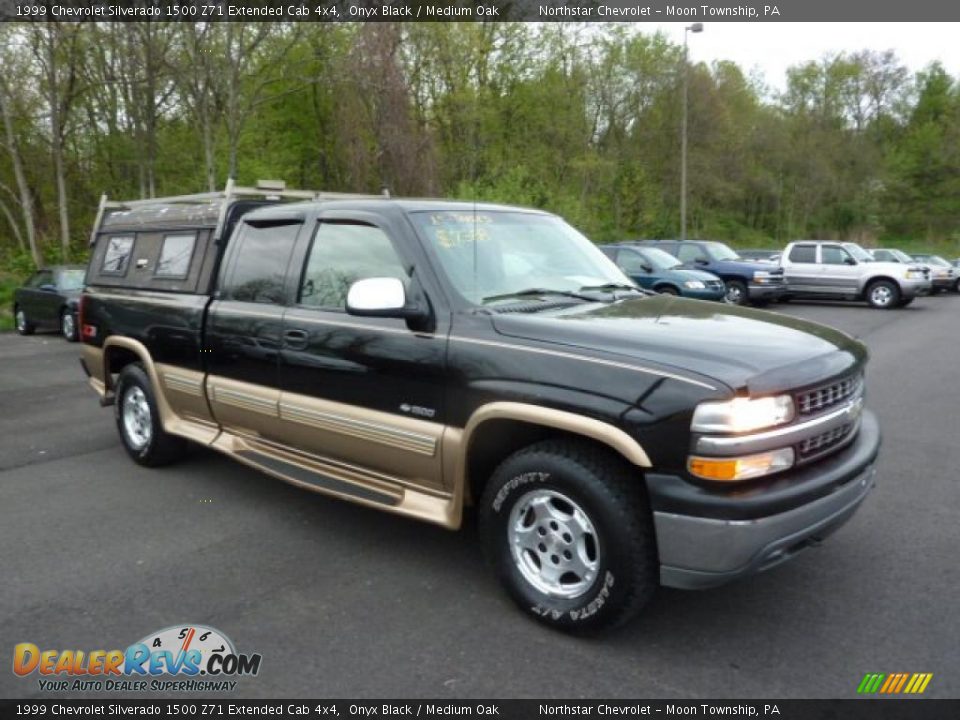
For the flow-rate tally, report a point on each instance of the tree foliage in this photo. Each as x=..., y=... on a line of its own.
x=581, y=120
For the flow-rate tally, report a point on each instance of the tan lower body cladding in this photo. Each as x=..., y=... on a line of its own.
x=403, y=465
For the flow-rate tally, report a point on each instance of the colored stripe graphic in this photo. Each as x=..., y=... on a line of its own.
x=894, y=683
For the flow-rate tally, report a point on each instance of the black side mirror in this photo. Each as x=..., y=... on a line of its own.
x=849, y=261
x=702, y=261
x=647, y=268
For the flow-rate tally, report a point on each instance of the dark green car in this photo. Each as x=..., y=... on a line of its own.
x=48, y=301
x=654, y=269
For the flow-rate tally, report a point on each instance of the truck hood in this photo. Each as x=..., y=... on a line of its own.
x=753, y=350
x=878, y=267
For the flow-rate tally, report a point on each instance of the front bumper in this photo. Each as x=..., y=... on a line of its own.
x=944, y=283
x=716, y=294
x=707, y=538
x=915, y=288
x=759, y=291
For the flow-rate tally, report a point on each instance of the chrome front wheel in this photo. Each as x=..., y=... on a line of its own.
x=883, y=294
x=553, y=543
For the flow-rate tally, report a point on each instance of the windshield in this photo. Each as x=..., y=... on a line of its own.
x=660, y=259
x=72, y=279
x=719, y=251
x=487, y=253
x=933, y=260
x=859, y=254
x=900, y=255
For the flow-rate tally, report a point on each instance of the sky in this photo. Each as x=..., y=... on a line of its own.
x=772, y=47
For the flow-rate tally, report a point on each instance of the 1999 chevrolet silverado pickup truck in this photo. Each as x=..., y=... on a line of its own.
x=423, y=356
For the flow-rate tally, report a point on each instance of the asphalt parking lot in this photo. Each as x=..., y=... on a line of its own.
x=341, y=601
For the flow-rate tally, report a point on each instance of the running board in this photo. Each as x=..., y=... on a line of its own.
x=332, y=477
x=320, y=481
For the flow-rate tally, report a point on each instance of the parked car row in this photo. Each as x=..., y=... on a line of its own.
x=701, y=269
x=742, y=281
x=808, y=269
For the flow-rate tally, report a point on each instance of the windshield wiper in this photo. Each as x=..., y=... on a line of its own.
x=537, y=291
x=613, y=287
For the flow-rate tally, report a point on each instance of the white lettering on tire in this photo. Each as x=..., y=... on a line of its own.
x=592, y=608
x=514, y=483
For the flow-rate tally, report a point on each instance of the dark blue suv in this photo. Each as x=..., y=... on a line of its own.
x=747, y=281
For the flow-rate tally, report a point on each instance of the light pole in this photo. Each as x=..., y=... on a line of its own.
x=696, y=27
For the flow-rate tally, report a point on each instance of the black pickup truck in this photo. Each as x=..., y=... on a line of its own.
x=421, y=357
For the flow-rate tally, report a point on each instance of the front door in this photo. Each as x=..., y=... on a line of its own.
x=840, y=273
x=40, y=299
x=367, y=392
x=634, y=264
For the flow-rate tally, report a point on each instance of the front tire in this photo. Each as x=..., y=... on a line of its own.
x=668, y=290
x=737, y=292
x=138, y=420
x=24, y=326
x=68, y=325
x=569, y=532
x=883, y=294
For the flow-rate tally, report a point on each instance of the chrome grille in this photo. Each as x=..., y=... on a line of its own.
x=826, y=396
x=824, y=441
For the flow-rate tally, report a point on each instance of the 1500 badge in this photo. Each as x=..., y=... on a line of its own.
x=418, y=410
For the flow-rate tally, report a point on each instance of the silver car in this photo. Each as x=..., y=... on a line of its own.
x=944, y=275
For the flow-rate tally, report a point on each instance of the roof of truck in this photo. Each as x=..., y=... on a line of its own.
x=404, y=204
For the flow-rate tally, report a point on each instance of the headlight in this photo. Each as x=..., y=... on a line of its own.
x=694, y=285
x=741, y=468
x=761, y=276
x=742, y=414
x=914, y=274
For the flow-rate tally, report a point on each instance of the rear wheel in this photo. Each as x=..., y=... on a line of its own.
x=737, y=293
x=569, y=532
x=68, y=325
x=24, y=326
x=138, y=420
x=883, y=294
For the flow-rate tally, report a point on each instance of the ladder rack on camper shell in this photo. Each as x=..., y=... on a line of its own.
x=266, y=189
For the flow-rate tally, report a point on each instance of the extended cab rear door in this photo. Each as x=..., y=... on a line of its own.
x=363, y=391
x=245, y=323
x=802, y=268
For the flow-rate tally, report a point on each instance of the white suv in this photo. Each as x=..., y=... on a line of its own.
x=842, y=270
